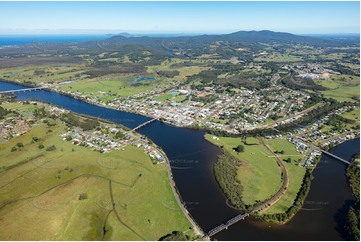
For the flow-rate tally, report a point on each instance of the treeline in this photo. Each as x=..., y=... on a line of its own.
x=176, y=236
x=301, y=84
x=318, y=112
x=337, y=121
x=296, y=206
x=3, y=112
x=225, y=171
x=344, y=69
x=353, y=216
x=353, y=174
x=168, y=74
x=84, y=123
x=108, y=68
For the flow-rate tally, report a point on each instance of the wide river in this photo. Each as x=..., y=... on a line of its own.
x=192, y=159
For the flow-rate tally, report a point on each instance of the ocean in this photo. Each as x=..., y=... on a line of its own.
x=27, y=39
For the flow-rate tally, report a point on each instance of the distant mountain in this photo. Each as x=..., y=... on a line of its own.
x=266, y=36
x=246, y=38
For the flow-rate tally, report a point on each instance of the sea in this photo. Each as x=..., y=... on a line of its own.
x=6, y=40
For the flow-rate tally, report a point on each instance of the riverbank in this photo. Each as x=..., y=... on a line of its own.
x=197, y=230
x=57, y=176
x=294, y=181
x=192, y=160
x=266, y=130
x=353, y=216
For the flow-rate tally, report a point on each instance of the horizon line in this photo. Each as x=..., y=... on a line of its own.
x=145, y=32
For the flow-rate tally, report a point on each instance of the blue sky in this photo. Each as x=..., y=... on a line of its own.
x=185, y=17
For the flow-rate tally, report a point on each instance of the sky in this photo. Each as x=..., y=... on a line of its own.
x=178, y=17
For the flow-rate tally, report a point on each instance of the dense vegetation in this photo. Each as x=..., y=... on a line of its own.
x=353, y=215
x=85, y=124
x=225, y=171
x=175, y=236
x=292, y=82
x=318, y=112
x=3, y=112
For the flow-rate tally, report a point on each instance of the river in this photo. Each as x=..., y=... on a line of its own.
x=192, y=159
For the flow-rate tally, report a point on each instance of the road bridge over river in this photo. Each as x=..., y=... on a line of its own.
x=144, y=124
x=22, y=90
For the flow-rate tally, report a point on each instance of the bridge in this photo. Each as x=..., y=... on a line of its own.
x=22, y=90
x=325, y=152
x=144, y=124
x=267, y=203
x=230, y=222
x=335, y=157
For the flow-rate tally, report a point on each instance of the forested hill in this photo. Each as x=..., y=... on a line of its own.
x=237, y=39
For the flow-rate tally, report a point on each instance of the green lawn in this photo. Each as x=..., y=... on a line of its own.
x=42, y=193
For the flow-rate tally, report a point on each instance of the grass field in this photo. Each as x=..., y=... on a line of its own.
x=39, y=192
x=170, y=97
x=341, y=87
x=288, y=148
x=353, y=115
x=21, y=108
x=277, y=57
x=111, y=88
x=43, y=73
x=183, y=71
x=295, y=172
x=259, y=174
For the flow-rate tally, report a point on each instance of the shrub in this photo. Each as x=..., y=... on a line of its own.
x=51, y=148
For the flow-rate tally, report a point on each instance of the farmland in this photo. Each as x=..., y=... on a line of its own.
x=341, y=87
x=76, y=193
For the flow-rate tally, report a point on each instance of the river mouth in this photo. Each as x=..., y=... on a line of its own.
x=192, y=159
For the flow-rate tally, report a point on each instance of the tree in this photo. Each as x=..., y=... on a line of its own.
x=239, y=148
x=35, y=139
x=51, y=148
x=288, y=160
